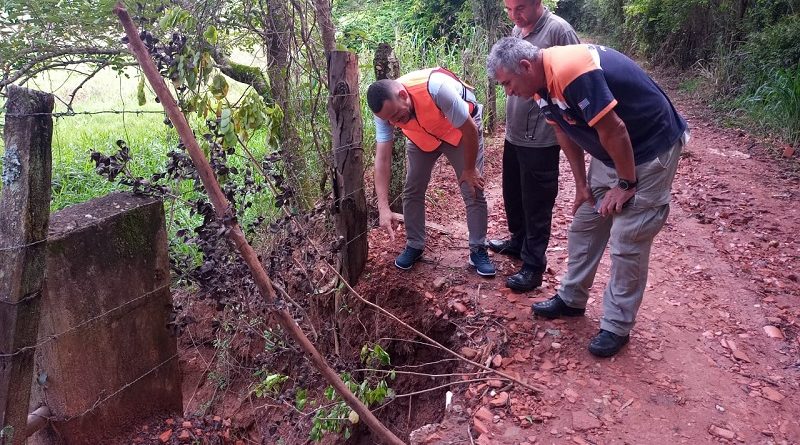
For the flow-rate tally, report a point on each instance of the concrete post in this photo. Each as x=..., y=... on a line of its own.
x=24, y=216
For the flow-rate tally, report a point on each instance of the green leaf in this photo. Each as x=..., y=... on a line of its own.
x=300, y=399
x=140, y=92
x=211, y=35
x=219, y=87
x=382, y=355
x=225, y=120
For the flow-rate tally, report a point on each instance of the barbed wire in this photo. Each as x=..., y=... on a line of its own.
x=80, y=113
x=103, y=400
x=22, y=246
x=70, y=113
x=53, y=337
x=22, y=301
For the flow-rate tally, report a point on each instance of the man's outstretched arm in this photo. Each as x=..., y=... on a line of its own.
x=383, y=173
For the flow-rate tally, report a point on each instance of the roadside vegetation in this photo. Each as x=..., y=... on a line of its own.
x=251, y=78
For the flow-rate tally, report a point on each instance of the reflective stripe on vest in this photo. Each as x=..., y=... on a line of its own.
x=429, y=126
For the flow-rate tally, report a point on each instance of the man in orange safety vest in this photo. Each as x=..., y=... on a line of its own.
x=439, y=115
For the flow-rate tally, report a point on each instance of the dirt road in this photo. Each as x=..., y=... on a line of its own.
x=700, y=367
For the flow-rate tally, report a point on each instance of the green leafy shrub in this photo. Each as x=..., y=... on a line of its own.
x=775, y=105
x=767, y=52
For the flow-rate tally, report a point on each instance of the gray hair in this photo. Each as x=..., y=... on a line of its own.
x=508, y=52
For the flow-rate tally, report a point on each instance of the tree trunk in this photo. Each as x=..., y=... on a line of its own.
x=488, y=14
x=388, y=67
x=350, y=206
x=278, y=29
x=325, y=22
x=24, y=217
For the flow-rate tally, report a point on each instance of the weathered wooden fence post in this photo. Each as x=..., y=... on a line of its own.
x=388, y=67
x=350, y=207
x=24, y=216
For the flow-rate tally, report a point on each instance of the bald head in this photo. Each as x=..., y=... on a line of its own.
x=381, y=91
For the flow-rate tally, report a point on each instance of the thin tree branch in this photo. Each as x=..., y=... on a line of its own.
x=78, y=51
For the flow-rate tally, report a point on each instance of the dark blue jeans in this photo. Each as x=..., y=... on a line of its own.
x=530, y=187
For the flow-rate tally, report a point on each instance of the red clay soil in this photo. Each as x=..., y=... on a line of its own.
x=702, y=365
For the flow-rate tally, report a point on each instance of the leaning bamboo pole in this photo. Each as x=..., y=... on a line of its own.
x=222, y=209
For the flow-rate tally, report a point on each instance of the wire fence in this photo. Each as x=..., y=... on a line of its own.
x=84, y=323
x=110, y=393
x=308, y=231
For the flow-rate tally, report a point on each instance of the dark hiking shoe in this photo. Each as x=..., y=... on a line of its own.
x=504, y=247
x=524, y=280
x=407, y=259
x=606, y=344
x=556, y=308
x=479, y=259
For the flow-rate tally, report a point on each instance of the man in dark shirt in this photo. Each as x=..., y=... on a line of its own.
x=600, y=101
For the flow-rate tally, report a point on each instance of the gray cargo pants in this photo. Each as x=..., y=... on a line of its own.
x=420, y=165
x=631, y=233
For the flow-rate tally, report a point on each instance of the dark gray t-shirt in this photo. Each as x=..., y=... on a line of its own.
x=525, y=126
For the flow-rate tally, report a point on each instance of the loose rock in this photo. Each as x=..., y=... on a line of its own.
x=583, y=421
x=479, y=426
x=773, y=332
x=165, y=436
x=484, y=415
x=500, y=401
x=771, y=394
x=721, y=432
x=469, y=352
x=497, y=361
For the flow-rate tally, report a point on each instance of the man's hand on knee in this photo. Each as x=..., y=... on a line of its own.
x=473, y=179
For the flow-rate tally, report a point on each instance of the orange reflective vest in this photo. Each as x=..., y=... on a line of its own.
x=429, y=126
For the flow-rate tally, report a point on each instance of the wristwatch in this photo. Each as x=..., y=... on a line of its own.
x=624, y=184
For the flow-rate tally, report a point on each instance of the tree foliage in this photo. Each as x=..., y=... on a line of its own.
x=48, y=34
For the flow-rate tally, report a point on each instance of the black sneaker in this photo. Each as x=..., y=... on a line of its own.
x=479, y=259
x=407, y=259
x=524, y=280
x=504, y=247
x=556, y=308
x=606, y=343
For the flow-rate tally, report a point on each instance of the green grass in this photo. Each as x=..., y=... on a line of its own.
x=691, y=85
x=75, y=137
x=775, y=105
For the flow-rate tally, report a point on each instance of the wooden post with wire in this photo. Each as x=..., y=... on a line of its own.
x=24, y=218
x=350, y=205
x=222, y=209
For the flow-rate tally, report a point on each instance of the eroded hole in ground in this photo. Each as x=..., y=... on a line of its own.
x=413, y=359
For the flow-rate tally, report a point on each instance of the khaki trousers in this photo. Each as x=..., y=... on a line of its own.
x=631, y=236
